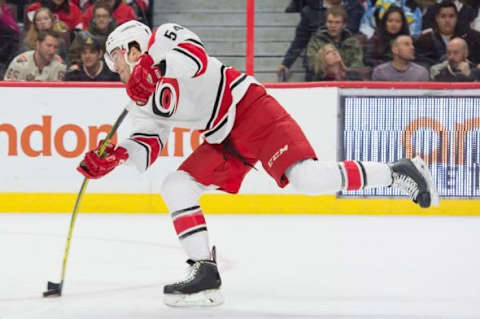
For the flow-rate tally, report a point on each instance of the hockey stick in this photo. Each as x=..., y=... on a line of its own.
x=55, y=289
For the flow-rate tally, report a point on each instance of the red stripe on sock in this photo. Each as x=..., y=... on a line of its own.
x=354, y=178
x=187, y=221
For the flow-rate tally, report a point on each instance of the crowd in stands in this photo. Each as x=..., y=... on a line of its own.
x=62, y=40
x=351, y=40
x=386, y=40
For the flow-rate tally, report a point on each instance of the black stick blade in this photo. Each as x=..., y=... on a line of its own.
x=53, y=289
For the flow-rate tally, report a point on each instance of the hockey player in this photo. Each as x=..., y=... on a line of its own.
x=176, y=83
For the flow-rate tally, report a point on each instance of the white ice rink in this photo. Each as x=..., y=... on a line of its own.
x=272, y=266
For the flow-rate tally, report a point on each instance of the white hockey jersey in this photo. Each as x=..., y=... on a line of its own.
x=196, y=92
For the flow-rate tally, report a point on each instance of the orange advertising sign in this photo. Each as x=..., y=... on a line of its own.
x=19, y=139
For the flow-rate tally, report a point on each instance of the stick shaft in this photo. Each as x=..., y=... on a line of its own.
x=82, y=191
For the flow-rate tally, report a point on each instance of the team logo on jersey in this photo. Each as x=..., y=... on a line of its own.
x=165, y=97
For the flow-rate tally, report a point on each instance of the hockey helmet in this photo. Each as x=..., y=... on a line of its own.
x=122, y=36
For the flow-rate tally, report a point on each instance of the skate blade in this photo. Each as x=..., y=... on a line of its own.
x=207, y=298
x=423, y=168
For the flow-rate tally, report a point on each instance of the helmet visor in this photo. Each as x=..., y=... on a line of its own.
x=109, y=62
x=115, y=58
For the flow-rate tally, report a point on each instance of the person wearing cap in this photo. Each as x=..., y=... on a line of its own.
x=92, y=67
x=101, y=26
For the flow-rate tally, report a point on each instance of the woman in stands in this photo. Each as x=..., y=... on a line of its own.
x=44, y=19
x=392, y=24
x=66, y=11
x=122, y=12
x=329, y=66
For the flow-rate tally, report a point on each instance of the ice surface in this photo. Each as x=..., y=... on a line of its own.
x=293, y=266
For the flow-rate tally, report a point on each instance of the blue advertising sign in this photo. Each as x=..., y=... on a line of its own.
x=443, y=130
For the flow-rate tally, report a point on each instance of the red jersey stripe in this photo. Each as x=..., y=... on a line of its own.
x=152, y=39
x=187, y=221
x=199, y=53
x=230, y=76
x=153, y=144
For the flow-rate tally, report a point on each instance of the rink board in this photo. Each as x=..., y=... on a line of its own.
x=237, y=204
x=41, y=146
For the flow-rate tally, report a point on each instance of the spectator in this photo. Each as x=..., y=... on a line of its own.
x=431, y=45
x=43, y=20
x=9, y=37
x=335, y=33
x=102, y=23
x=41, y=64
x=456, y=68
x=100, y=27
x=392, y=24
x=402, y=68
x=66, y=12
x=92, y=67
x=377, y=9
x=312, y=17
x=122, y=12
x=330, y=67
x=466, y=15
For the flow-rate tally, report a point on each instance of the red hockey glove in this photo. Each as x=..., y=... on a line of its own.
x=94, y=166
x=143, y=79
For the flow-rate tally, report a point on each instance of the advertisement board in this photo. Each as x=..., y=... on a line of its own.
x=442, y=128
x=45, y=131
x=45, y=128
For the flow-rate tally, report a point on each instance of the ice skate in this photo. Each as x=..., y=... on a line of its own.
x=414, y=178
x=200, y=288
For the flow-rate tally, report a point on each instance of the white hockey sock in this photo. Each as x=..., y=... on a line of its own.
x=317, y=178
x=181, y=193
x=378, y=174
